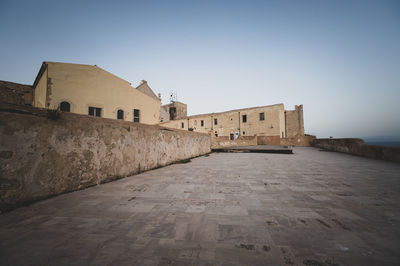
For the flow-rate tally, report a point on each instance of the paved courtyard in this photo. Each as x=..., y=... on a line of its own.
x=307, y=208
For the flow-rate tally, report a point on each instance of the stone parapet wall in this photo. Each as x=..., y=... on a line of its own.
x=268, y=140
x=359, y=147
x=41, y=157
x=222, y=142
x=299, y=141
x=15, y=93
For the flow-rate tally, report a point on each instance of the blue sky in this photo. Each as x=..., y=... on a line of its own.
x=340, y=59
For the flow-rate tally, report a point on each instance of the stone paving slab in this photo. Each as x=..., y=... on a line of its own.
x=309, y=208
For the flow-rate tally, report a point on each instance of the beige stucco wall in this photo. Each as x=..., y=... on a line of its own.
x=40, y=157
x=39, y=92
x=228, y=122
x=84, y=85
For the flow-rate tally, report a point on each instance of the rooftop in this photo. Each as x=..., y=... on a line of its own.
x=307, y=208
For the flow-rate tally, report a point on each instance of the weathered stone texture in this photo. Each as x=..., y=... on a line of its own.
x=294, y=122
x=15, y=93
x=309, y=208
x=221, y=142
x=40, y=157
x=268, y=140
x=299, y=141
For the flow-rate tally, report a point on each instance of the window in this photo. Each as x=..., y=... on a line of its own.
x=215, y=121
x=94, y=111
x=262, y=116
x=231, y=136
x=120, y=114
x=202, y=123
x=172, y=113
x=183, y=125
x=244, y=132
x=65, y=107
x=216, y=133
x=244, y=118
x=136, y=115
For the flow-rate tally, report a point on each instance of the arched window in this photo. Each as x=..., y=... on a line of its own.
x=65, y=107
x=120, y=114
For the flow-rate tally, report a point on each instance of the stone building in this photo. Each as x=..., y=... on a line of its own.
x=269, y=124
x=173, y=111
x=90, y=90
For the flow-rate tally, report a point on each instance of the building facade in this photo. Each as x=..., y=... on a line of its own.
x=90, y=90
x=269, y=123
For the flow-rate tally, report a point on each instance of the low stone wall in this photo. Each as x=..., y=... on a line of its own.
x=268, y=140
x=299, y=141
x=224, y=141
x=41, y=157
x=359, y=147
x=16, y=93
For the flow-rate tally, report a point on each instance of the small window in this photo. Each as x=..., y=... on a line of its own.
x=136, y=115
x=262, y=116
x=202, y=123
x=244, y=118
x=231, y=136
x=183, y=125
x=244, y=132
x=65, y=107
x=94, y=111
x=120, y=114
x=215, y=121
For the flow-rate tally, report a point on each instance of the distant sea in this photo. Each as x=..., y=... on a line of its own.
x=384, y=143
x=389, y=141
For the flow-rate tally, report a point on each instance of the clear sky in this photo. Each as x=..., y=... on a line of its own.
x=341, y=59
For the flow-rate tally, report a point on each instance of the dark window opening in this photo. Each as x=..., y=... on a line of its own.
x=120, y=114
x=244, y=133
x=183, y=125
x=215, y=121
x=136, y=115
x=190, y=129
x=172, y=113
x=65, y=107
x=231, y=136
x=244, y=118
x=202, y=123
x=94, y=111
x=262, y=116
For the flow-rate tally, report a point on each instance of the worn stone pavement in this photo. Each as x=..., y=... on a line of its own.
x=307, y=208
